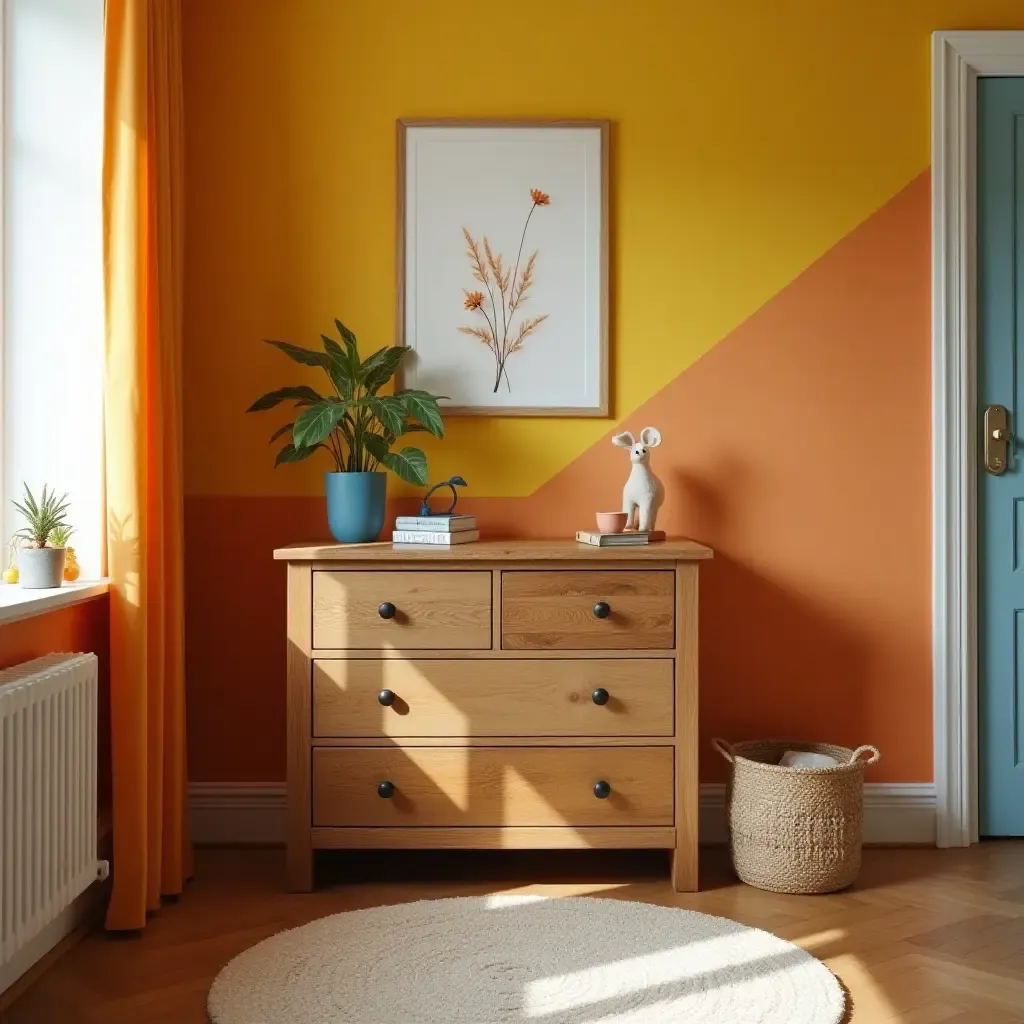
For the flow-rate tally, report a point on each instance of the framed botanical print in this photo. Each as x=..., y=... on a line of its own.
x=503, y=265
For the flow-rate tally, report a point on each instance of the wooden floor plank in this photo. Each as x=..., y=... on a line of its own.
x=925, y=937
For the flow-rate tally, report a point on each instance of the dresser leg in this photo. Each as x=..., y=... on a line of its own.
x=684, y=868
x=299, y=867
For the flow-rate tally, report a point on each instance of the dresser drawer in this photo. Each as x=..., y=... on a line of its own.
x=494, y=698
x=582, y=610
x=402, y=610
x=446, y=786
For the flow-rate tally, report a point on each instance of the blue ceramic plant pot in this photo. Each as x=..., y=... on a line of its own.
x=355, y=505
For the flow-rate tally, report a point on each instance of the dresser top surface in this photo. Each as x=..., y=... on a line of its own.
x=495, y=551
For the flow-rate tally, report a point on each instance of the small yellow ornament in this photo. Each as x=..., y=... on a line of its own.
x=72, y=570
x=11, y=574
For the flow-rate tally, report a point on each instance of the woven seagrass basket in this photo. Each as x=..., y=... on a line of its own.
x=795, y=830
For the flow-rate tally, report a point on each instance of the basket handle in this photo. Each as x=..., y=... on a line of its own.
x=725, y=749
x=866, y=749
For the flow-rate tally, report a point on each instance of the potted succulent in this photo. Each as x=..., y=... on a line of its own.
x=358, y=428
x=59, y=539
x=41, y=561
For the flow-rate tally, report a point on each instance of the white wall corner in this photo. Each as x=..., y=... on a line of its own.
x=254, y=815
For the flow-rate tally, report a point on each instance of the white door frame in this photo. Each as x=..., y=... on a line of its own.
x=958, y=59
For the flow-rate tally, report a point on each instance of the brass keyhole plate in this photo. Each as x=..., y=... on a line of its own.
x=998, y=439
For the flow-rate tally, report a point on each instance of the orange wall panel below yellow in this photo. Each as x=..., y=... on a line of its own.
x=796, y=448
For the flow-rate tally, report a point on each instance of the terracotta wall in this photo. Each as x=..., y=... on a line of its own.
x=770, y=314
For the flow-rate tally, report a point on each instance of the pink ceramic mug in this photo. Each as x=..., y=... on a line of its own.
x=611, y=522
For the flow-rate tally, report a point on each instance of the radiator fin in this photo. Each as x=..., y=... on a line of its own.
x=48, y=721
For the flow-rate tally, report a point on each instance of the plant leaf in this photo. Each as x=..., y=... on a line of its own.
x=380, y=367
x=342, y=370
x=289, y=453
x=314, y=425
x=423, y=407
x=280, y=430
x=377, y=446
x=350, y=342
x=391, y=413
x=300, y=393
x=457, y=481
x=302, y=355
x=410, y=465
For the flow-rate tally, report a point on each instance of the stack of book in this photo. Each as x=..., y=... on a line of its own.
x=441, y=531
x=629, y=538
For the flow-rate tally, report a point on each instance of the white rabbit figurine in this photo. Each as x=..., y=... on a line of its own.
x=643, y=492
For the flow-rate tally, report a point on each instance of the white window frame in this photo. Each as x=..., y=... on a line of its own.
x=958, y=60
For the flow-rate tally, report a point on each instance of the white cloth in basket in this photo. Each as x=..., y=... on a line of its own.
x=805, y=759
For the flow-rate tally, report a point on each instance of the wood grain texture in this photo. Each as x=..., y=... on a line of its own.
x=299, y=714
x=603, y=408
x=439, y=610
x=566, y=551
x=497, y=741
x=493, y=698
x=555, y=610
x=493, y=654
x=685, y=855
x=509, y=837
x=925, y=936
x=445, y=786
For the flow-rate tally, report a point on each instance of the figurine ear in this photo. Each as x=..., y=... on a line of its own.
x=623, y=440
x=650, y=436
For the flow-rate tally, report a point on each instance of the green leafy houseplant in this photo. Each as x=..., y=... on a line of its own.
x=355, y=424
x=44, y=518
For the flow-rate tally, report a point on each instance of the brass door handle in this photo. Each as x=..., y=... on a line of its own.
x=998, y=439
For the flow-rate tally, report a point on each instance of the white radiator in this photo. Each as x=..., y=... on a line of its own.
x=47, y=795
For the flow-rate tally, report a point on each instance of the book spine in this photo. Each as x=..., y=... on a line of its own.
x=439, y=525
x=431, y=537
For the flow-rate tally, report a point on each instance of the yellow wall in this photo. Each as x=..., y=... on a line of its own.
x=769, y=214
x=749, y=136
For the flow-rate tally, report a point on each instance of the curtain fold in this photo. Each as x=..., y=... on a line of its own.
x=142, y=241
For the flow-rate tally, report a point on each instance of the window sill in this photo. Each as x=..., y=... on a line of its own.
x=17, y=604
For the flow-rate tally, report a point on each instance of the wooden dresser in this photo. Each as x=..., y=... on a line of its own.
x=515, y=694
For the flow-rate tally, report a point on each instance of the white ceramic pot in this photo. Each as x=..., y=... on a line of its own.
x=41, y=568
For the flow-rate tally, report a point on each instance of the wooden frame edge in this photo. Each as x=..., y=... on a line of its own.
x=604, y=409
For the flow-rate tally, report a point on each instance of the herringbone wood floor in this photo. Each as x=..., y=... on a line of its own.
x=925, y=937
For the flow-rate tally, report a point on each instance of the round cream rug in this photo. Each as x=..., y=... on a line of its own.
x=503, y=959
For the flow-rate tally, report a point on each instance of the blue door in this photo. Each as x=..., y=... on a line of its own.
x=1001, y=482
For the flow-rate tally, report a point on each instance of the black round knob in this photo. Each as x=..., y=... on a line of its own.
x=386, y=698
x=602, y=789
x=386, y=790
x=386, y=610
x=602, y=609
x=600, y=696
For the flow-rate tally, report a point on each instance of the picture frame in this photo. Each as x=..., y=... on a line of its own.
x=472, y=203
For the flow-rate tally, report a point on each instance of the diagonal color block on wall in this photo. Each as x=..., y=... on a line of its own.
x=798, y=448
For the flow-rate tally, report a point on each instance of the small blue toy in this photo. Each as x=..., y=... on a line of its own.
x=452, y=482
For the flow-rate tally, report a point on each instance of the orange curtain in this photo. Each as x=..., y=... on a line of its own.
x=142, y=239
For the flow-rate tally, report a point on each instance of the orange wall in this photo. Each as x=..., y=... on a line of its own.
x=80, y=627
x=794, y=448
x=770, y=314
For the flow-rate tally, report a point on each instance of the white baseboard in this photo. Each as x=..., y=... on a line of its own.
x=224, y=813
x=901, y=813
x=247, y=814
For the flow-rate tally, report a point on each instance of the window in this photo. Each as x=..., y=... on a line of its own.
x=52, y=338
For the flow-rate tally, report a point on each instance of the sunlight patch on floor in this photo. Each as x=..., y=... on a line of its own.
x=550, y=890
